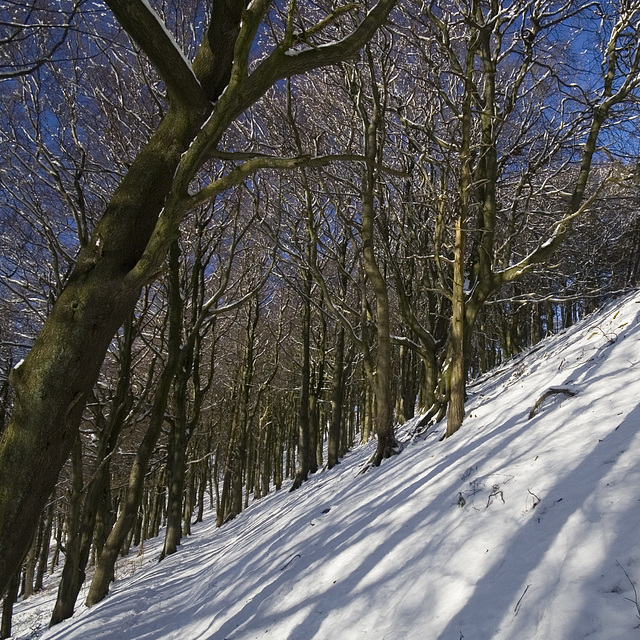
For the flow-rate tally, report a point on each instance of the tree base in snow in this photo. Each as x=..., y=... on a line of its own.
x=391, y=448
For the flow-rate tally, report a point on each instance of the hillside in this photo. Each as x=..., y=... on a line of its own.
x=515, y=528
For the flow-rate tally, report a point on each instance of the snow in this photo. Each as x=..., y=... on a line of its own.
x=538, y=550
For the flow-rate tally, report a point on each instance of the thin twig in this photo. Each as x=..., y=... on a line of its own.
x=535, y=504
x=517, y=607
x=297, y=555
x=633, y=586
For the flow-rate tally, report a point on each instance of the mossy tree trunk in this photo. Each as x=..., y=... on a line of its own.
x=381, y=377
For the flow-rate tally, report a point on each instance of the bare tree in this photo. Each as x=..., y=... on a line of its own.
x=491, y=147
x=128, y=246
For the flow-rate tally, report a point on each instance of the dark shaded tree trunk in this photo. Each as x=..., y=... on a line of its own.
x=204, y=471
x=72, y=547
x=176, y=473
x=315, y=394
x=304, y=427
x=56, y=550
x=44, y=547
x=407, y=393
x=337, y=399
x=10, y=598
x=29, y=569
x=382, y=377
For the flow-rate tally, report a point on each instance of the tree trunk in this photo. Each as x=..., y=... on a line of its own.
x=387, y=444
x=304, y=438
x=8, y=601
x=456, y=359
x=56, y=550
x=44, y=547
x=337, y=398
x=203, y=469
x=278, y=456
x=189, y=500
x=30, y=566
x=176, y=465
x=317, y=431
x=176, y=473
x=314, y=429
x=72, y=551
x=456, y=355
x=366, y=416
x=408, y=384
x=104, y=523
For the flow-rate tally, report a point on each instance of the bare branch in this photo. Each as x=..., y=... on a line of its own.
x=146, y=28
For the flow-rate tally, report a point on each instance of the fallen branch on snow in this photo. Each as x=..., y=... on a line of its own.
x=568, y=391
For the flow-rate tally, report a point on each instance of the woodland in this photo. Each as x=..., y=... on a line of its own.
x=237, y=239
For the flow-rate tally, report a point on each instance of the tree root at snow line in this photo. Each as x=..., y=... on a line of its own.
x=374, y=461
x=429, y=419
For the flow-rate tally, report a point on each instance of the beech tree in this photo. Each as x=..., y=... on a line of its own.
x=498, y=114
x=620, y=78
x=128, y=246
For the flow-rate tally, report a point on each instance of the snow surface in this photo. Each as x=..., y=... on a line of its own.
x=515, y=528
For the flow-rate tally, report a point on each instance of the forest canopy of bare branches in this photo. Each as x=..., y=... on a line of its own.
x=238, y=238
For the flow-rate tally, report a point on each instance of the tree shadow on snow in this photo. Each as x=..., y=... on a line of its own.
x=499, y=589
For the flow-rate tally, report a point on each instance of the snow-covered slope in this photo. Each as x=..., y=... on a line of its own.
x=545, y=542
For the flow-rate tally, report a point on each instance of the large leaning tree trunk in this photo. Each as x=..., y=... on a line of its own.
x=128, y=246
